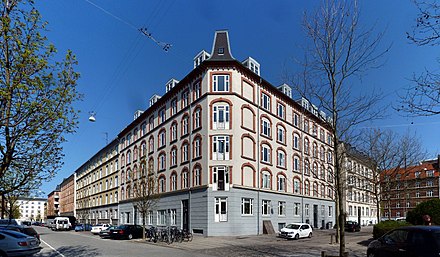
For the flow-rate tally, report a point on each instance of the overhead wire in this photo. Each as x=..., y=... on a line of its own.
x=129, y=56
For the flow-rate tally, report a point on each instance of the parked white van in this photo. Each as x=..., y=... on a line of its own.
x=61, y=223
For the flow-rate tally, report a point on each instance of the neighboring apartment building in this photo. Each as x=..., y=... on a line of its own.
x=32, y=209
x=67, y=196
x=97, y=187
x=234, y=155
x=361, y=204
x=404, y=188
x=53, y=202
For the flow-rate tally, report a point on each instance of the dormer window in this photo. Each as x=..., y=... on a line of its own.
x=252, y=64
x=221, y=50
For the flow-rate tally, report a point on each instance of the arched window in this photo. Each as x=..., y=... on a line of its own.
x=266, y=127
x=185, y=125
x=306, y=146
x=220, y=116
x=151, y=144
x=162, y=138
x=315, y=150
x=281, y=134
x=128, y=157
x=162, y=161
x=265, y=180
x=266, y=153
x=197, y=147
x=143, y=149
x=296, y=186
x=135, y=153
x=306, y=167
x=315, y=170
x=281, y=158
x=173, y=181
x=296, y=141
x=281, y=182
x=173, y=131
x=162, y=184
x=185, y=152
x=307, y=187
x=197, y=118
x=185, y=179
x=173, y=156
x=315, y=189
x=197, y=173
x=296, y=163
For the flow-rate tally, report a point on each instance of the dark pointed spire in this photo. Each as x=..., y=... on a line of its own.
x=221, y=49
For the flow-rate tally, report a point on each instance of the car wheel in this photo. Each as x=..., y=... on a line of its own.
x=371, y=254
x=130, y=236
x=297, y=236
x=310, y=235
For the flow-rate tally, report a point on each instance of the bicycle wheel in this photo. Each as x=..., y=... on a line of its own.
x=190, y=237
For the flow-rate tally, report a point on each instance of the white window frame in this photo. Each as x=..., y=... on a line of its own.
x=220, y=148
x=265, y=208
x=247, y=206
x=221, y=116
x=265, y=127
x=215, y=178
x=281, y=208
x=266, y=180
x=221, y=209
x=281, y=160
x=265, y=153
x=265, y=101
x=281, y=111
x=215, y=83
x=281, y=182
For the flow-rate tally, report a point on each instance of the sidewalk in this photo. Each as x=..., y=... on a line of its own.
x=271, y=246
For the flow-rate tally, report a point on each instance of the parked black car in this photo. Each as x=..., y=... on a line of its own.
x=30, y=231
x=126, y=231
x=415, y=241
x=106, y=232
x=352, y=226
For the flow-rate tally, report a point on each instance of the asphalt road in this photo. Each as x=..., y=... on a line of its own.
x=84, y=244
x=79, y=244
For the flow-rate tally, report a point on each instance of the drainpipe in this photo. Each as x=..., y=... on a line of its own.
x=258, y=156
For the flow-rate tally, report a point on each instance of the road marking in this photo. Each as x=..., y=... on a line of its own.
x=53, y=248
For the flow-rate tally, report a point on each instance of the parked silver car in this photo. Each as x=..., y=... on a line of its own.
x=14, y=243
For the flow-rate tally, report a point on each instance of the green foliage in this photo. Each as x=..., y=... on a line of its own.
x=383, y=227
x=36, y=99
x=430, y=207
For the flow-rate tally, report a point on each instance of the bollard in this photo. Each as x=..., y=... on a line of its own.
x=323, y=254
x=331, y=239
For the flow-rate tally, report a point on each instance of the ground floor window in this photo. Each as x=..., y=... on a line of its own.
x=265, y=207
x=247, y=206
x=173, y=217
x=150, y=217
x=296, y=209
x=161, y=217
x=221, y=209
x=306, y=209
x=282, y=208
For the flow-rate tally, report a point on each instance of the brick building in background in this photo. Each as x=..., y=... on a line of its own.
x=67, y=196
x=404, y=188
x=53, y=202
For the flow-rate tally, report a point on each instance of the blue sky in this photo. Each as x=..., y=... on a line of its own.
x=120, y=68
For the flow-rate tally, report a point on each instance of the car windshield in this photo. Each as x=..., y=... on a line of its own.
x=98, y=225
x=293, y=226
x=121, y=227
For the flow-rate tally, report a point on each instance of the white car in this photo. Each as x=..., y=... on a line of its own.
x=97, y=228
x=296, y=231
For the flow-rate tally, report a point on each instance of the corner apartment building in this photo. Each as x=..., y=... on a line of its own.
x=361, y=204
x=234, y=155
x=97, y=187
x=405, y=188
x=67, y=196
x=32, y=209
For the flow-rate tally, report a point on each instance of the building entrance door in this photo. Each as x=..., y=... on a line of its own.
x=315, y=216
x=185, y=215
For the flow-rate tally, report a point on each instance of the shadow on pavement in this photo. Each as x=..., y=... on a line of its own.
x=365, y=242
x=76, y=251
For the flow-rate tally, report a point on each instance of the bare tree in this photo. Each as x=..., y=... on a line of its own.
x=392, y=155
x=339, y=50
x=423, y=97
x=146, y=193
